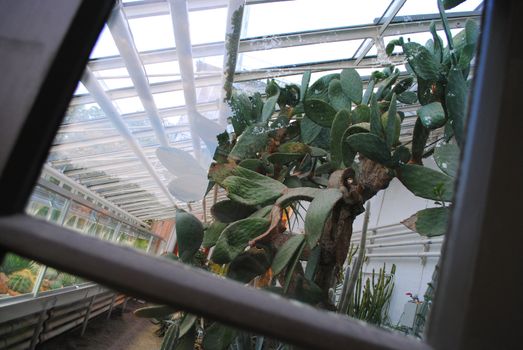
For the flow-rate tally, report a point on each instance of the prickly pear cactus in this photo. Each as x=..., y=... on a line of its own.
x=335, y=144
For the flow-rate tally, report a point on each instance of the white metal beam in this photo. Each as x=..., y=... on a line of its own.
x=100, y=166
x=139, y=212
x=140, y=9
x=182, y=38
x=70, y=182
x=127, y=190
x=136, y=197
x=122, y=181
x=144, y=203
x=389, y=16
x=110, y=111
x=110, y=139
x=293, y=39
x=238, y=77
x=123, y=39
x=156, y=88
x=90, y=180
x=136, y=193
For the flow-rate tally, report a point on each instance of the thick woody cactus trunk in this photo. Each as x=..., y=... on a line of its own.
x=357, y=186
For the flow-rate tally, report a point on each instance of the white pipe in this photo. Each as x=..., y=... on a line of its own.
x=378, y=228
x=406, y=243
x=103, y=167
x=129, y=190
x=121, y=180
x=151, y=210
x=124, y=42
x=387, y=235
x=182, y=38
x=136, y=193
x=92, y=85
x=392, y=11
x=140, y=204
x=75, y=185
x=404, y=255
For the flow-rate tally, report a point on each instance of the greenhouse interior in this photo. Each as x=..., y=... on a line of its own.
x=308, y=149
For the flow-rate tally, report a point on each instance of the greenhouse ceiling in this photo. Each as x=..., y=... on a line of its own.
x=155, y=80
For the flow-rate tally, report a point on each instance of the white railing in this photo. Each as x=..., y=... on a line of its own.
x=380, y=240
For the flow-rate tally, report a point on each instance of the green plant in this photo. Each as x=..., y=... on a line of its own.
x=141, y=243
x=13, y=263
x=21, y=281
x=371, y=297
x=333, y=144
x=66, y=279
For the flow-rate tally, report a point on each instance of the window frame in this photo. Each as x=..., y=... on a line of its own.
x=451, y=323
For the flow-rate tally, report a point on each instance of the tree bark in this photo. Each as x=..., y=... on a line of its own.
x=358, y=185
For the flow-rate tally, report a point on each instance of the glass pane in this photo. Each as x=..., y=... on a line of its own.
x=296, y=16
x=129, y=105
x=85, y=112
x=81, y=218
x=169, y=99
x=227, y=158
x=152, y=33
x=117, y=78
x=17, y=276
x=105, y=45
x=421, y=7
x=297, y=54
x=54, y=279
x=214, y=23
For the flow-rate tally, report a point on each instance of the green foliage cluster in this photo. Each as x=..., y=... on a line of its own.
x=371, y=298
x=21, y=281
x=13, y=263
x=295, y=144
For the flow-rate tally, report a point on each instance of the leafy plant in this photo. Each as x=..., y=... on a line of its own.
x=335, y=145
x=371, y=298
x=13, y=263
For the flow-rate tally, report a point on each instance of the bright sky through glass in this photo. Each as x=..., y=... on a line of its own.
x=295, y=16
x=89, y=133
x=208, y=26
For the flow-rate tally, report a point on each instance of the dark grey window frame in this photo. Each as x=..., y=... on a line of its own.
x=45, y=46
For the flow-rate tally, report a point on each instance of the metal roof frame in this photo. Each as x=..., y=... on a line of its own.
x=121, y=166
x=469, y=282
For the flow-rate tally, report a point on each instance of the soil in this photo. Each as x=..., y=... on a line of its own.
x=123, y=331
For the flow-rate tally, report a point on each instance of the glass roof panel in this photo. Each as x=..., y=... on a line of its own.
x=81, y=113
x=114, y=78
x=214, y=22
x=169, y=99
x=302, y=15
x=80, y=89
x=68, y=137
x=209, y=63
x=105, y=45
x=128, y=105
x=170, y=121
x=90, y=133
x=421, y=7
x=152, y=33
x=372, y=52
x=297, y=55
x=162, y=72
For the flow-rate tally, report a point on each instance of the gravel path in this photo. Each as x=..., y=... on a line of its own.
x=120, y=332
